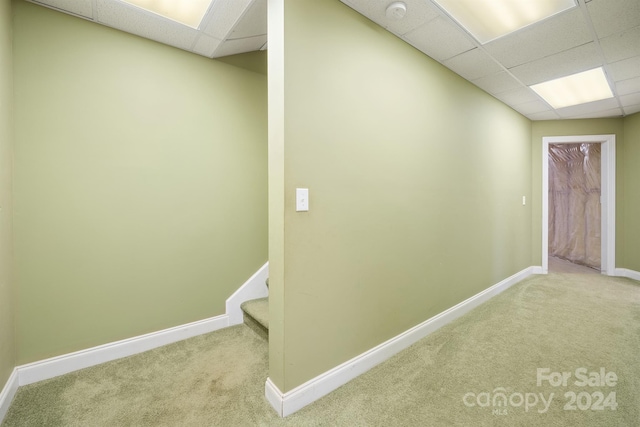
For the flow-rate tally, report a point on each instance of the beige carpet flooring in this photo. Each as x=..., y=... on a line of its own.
x=559, y=322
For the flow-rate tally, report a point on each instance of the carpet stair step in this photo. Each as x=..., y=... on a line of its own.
x=256, y=315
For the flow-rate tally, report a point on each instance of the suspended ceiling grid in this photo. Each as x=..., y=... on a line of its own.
x=229, y=26
x=595, y=33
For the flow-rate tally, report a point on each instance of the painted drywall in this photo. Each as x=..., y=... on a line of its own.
x=276, y=118
x=541, y=129
x=252, y=61
x=416, y=180
x=631, y=202
x=140, y=183
x=7, y=340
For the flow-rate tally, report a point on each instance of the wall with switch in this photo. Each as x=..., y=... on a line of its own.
x=7, y=325
x=140, y=183
x=415, y=180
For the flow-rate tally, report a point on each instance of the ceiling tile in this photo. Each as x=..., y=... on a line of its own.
x=532, y=107
x=622, y=45
x=581, y=58
x=610, y=17
x=419, y=12
x=145, y=24
x=232, y=47
x=588, y=108
x=614, y=112
x=439, y=39
x=253, y=22
x=517, y=96
x=556, y=34
x=631, y=99
x=77, y=7
x=472, y=64
x=545, y=115
x=206, y=45
x=223, y=16
x=625, y=69
x=497, y=83
x=632, y=109
x=628, y=86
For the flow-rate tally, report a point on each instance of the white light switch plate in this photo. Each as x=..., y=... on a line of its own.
x=302, y=199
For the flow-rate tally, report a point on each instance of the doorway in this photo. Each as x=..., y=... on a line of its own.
x=574, y=208
x=575, y=247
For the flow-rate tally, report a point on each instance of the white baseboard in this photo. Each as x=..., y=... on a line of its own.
x=274, y=396
x=624, y=272
x=287, y=403
x=253, y=288
x=60, y=365
x=7, y=394
x=537, y=270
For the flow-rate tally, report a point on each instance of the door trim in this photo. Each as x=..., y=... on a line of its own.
x=607, y=196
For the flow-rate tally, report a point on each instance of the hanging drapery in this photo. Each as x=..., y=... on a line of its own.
x=574, y=203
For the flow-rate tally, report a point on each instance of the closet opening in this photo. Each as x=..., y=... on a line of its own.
x=578, y=204
x=574, y=208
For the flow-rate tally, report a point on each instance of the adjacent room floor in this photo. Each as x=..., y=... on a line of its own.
x=559, y=265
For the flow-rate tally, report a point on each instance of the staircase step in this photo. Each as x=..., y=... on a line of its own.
x=256, y=315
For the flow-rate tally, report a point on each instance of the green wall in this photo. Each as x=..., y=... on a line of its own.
x=416, y=180
x=570, y=128
x=140, y=183
x=7, y=340
x=631, y=203
x=252, y=61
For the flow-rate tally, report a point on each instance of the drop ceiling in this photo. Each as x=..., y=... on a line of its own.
x=595, y=33
x=229, y=27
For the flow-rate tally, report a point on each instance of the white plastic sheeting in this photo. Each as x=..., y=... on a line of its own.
x=574, y=203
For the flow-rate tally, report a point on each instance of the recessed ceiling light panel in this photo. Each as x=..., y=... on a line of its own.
x=575, y=89
x=488, y=20
x=187, y=12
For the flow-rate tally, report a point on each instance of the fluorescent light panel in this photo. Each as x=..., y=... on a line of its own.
x=488, y=20
x=187, y=12
x=575, y=89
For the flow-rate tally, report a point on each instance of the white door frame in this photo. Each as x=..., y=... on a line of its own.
x=607, y=196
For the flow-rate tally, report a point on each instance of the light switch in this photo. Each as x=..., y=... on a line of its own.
x=524, y=200
x=302, y=199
